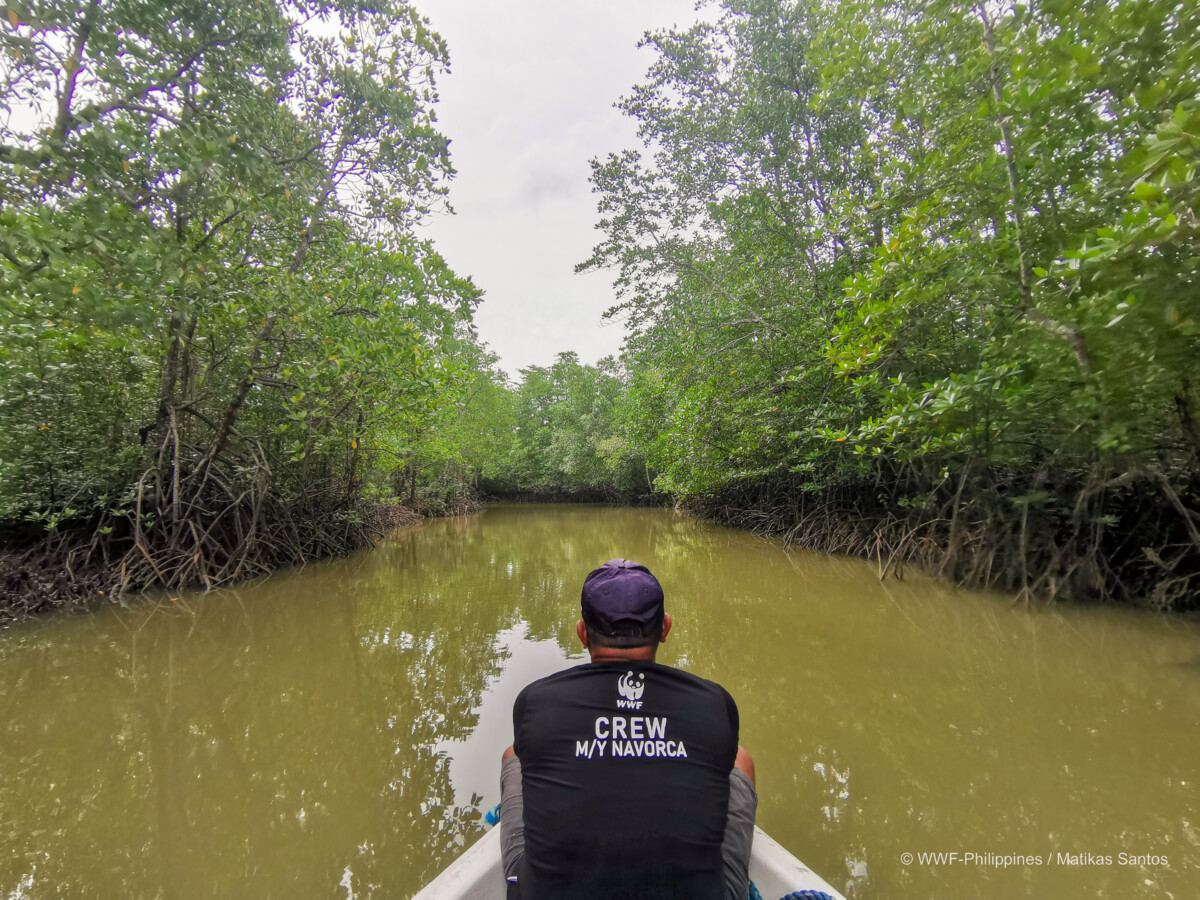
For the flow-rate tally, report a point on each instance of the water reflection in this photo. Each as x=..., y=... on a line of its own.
x=475, y=760
x=334, y=731
x=266, y=743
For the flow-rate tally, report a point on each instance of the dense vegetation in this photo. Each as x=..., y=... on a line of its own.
x=910, y=279
x=218, y=330
x=919, y=280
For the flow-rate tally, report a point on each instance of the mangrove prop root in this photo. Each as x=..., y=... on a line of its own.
x=1090, y=536
x=240, y=527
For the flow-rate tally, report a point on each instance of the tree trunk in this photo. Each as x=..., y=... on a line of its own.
x=229, y=419
x=1074, y=338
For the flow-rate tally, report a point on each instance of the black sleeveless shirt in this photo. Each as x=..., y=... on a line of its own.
x=625, y=775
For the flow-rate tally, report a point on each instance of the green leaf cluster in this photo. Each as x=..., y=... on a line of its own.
x=920, y=233
x=208, y=255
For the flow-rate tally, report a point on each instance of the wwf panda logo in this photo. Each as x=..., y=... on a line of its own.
x=631, y=689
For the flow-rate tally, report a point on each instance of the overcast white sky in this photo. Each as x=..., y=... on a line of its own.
x=527, y=104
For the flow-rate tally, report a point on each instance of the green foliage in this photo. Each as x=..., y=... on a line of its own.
x=565, y=430
x=207, y=254
x=561, y=430
x=918, y=233
x=465, y=436
x=1019, y=150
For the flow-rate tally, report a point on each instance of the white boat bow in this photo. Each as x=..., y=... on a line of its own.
x=477, y=874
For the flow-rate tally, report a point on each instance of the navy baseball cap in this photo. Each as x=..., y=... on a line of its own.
x=622, y=599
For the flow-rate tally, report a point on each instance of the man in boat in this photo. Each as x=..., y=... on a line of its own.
x=626, y=779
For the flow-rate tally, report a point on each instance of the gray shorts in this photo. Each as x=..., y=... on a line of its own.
x=735, y=849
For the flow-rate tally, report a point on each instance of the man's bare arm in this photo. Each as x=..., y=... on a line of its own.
x=743, y=761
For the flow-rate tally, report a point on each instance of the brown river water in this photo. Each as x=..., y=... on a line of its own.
x=335, y=732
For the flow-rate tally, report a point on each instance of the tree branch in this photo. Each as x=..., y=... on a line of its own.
x=73, y=65
x=1073, y=336
x=26, y=268
x=216, y=227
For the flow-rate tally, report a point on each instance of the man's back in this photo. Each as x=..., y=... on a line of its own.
x=625, y=781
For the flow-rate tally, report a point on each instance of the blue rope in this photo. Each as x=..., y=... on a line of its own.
x=756, y=894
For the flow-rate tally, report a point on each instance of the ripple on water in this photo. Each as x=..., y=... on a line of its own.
x=339, y=728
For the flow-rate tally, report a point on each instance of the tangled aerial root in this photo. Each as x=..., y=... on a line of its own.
x=1124, y=537
x=221, y=538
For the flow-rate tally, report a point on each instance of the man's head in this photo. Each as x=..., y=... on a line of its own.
x=623, y=616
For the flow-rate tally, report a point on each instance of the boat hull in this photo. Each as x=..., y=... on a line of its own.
x=477, y=874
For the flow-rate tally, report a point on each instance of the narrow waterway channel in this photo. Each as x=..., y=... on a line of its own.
x=335, y=731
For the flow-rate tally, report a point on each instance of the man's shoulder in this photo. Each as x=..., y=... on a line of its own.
x=549, y=681
x=697, y=679
x=683, y=676
x=568, y=679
